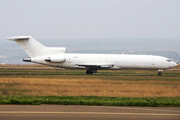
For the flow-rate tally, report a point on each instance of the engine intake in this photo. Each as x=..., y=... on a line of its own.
x=27, y=59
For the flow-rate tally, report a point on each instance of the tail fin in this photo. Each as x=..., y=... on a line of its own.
x=33, y=48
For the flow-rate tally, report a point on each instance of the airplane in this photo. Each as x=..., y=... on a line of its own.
x=57, y=57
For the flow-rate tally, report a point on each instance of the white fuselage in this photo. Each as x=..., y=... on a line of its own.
x=118, y=61
x=57, y=57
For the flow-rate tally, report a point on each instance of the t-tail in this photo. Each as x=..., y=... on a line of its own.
x=35, y=49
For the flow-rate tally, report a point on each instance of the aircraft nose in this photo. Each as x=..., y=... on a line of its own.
x=173, y=64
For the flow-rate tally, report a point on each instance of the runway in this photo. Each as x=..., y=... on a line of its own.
x=71, y=112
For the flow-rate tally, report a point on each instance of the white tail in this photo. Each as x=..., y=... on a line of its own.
x=33, y=48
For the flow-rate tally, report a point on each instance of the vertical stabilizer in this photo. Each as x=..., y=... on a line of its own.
x=32, y=47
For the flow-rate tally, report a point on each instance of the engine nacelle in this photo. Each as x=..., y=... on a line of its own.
x=55, y=59
x=27, y=59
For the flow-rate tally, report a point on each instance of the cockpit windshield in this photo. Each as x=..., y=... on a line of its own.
x=168, y=60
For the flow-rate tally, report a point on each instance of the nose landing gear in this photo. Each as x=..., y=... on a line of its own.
x=160, y=72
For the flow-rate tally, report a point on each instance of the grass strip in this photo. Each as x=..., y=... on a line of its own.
x=90, y=100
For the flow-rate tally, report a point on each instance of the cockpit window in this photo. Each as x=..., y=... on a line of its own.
x=168, y=60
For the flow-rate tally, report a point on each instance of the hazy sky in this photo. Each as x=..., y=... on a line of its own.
x=90, y=19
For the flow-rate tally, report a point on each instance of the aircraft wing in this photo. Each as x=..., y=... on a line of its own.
x=90, y=65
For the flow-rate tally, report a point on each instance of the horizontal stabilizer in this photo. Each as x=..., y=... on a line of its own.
x=19, y=38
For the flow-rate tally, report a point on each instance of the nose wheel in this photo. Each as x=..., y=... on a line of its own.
x=159, y=73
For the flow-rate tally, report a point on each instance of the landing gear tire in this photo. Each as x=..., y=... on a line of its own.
x=159, y=73
x=89, y=72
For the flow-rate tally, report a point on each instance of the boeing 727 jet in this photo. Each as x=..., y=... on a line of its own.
x=57, y=57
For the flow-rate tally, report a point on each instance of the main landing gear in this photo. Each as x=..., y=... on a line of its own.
x=91, y=71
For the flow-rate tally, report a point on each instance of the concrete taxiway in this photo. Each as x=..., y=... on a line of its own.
x=53, y=112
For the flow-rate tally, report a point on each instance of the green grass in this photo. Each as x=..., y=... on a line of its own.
x=90, y=100
x=11, y=71
x=115, y=75
x=132, y=75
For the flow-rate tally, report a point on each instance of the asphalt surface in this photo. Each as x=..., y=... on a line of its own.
x=57, y=112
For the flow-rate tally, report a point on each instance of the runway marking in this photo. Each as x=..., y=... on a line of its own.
x=95, y=113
